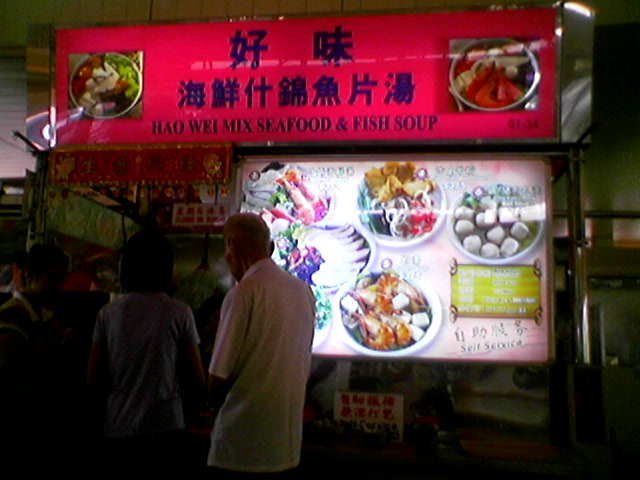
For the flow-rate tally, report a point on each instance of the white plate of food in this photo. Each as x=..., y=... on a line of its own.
x=399, y=204
x=284, y=194
x=384, y=315
x=324, y=256
x=496, y=224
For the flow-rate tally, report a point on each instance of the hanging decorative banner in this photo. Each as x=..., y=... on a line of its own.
x=147, y=164
x=476, y=75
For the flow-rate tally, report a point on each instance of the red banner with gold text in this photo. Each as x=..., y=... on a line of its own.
x=208, y=163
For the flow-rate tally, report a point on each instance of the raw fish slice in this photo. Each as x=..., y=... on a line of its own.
x=327, y=243
x=338, y=232
x=342, y=268
x=343, y=256
x=352, y=243
x=336, y=272
x=343, y=232
x=312, y=235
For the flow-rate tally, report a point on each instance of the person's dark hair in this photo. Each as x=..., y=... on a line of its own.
x=147, y=263
x=43, y=256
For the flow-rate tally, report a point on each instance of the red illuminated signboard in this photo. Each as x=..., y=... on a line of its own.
x=416, y=77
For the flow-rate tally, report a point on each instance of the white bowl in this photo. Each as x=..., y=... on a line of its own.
x=436, y=320
x=525, y=246
x=384, y=238
x=491, y=46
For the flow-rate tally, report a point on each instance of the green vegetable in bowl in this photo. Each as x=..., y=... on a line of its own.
x=126, y=72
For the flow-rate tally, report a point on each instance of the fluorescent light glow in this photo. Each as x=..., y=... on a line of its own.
x=581, y=9
x=52, y=132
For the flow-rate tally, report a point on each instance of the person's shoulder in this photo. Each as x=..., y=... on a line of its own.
x=173, y=304
x=162, y=298
x=116, y=301
x=279, y=275
x=178, y=304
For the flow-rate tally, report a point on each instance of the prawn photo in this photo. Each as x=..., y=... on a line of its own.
x=285, y=193
x=384, y=312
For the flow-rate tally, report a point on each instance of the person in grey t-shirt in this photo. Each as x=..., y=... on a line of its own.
x=140, y=343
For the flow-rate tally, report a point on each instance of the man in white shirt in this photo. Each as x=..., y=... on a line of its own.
x=261, y=359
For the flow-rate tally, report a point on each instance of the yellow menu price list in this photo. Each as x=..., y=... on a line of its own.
x=511, y=291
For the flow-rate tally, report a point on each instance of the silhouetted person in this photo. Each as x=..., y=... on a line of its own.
x=32, y=341
x=141, y=341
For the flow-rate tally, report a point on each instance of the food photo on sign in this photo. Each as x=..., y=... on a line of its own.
x=384, y=314
x=106, y=85
x=496, y=223
x=400, y=203
x=494, y=74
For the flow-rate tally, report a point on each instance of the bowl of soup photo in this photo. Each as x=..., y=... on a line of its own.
x=106, y=85
x=494, y=75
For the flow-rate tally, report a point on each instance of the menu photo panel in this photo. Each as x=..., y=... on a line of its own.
x=414, y=256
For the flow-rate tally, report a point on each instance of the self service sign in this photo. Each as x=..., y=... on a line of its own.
x=459, y=76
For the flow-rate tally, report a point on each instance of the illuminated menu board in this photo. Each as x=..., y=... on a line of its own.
x=419, y=257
